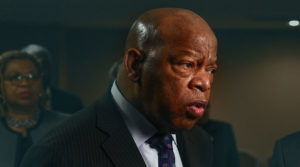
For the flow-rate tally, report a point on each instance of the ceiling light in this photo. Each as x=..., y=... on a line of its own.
x=294, y=23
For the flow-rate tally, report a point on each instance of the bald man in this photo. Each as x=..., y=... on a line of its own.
x=148, y=116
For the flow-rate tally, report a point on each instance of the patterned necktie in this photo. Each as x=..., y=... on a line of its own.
x=163, y=144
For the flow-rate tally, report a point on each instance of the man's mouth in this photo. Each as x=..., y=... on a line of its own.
x=196, y=109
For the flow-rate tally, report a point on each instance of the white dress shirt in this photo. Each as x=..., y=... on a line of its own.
x=141, y=130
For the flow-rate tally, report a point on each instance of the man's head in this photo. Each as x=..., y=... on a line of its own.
x=45, y=59
x=168, y=68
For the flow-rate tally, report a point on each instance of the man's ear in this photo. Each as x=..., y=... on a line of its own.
x=133, y=61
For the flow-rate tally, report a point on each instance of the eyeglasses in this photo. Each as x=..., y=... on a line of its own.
x=17, y=79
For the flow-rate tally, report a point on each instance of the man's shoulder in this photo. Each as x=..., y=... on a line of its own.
x=77, y=136
x=75, y=128
x=72, y=127
x=287, y=151
x=290, y=144
x=294, y=137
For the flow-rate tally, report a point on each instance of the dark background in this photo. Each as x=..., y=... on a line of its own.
x=256, y=88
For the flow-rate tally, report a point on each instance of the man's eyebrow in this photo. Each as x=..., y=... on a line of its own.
x=185, y=53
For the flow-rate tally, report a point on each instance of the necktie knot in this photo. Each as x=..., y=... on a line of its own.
x=161, y=142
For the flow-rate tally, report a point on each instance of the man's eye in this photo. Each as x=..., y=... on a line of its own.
x=212, y=71
x=187, y=64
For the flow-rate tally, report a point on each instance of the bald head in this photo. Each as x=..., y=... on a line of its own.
x=156, y=26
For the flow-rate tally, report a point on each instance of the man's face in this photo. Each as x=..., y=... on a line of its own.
x=176, y=79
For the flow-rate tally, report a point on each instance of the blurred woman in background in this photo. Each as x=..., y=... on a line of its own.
x=22, y=106
x=58, y=99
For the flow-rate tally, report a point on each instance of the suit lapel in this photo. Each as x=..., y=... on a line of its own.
x=119, y=146
x=195, y=147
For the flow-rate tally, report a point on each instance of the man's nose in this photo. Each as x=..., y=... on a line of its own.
x=201, y=81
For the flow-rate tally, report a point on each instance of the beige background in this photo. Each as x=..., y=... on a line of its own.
x=257, y=88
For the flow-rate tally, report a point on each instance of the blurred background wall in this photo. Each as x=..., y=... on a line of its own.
x=256, y=88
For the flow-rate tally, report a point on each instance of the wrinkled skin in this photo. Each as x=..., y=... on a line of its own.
x=175, y=73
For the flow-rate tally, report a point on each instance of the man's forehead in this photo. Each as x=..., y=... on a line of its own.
x=199, y=42
x=178, y=30
x=178, y=53
x=200, y=47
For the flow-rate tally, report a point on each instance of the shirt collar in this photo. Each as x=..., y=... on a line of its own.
x=139, y=127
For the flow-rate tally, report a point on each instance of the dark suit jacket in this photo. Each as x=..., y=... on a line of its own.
x=13, y=145
x=287, y=152
x=225, y=152
x=65, y=102
x=98, y=137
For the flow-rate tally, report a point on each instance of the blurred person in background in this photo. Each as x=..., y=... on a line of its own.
x=58, y=100
x=113, y=72
x=22, y=106
x=287, y=151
